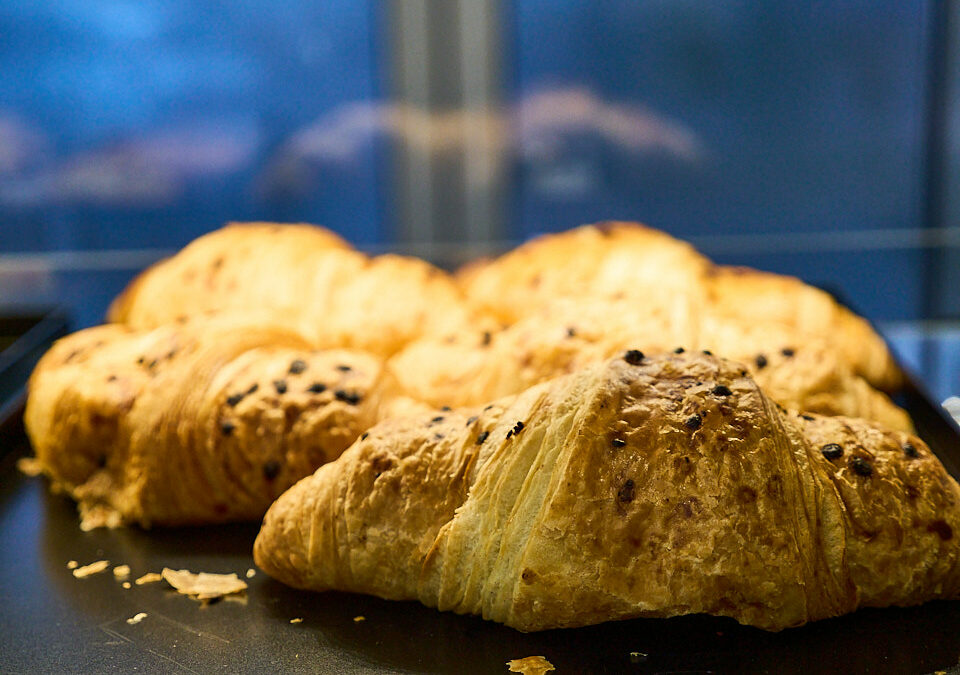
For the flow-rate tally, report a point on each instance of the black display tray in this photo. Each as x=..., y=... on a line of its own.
x=52, y=622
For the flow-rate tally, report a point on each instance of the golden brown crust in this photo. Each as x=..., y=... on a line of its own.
x=306, y=278
x=202, y=421
x=641, y=265
x=639, y=487
x=800, y=372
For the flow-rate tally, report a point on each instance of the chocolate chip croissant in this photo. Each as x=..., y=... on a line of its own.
x=304, y=277
x=800, y=372
x=641, y=487
x=202, y=421
x=638, y=264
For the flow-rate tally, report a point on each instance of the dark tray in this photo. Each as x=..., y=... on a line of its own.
x=52, y=622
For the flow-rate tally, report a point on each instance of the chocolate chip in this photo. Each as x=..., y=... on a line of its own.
x=861, y=467
x=140, y=361
x=517, y=428
x=787, y=351
x=633, y=357
x=761, y=361
x=693, y=422
x=679, y=350
x=807, y=417
x=471, y=420
x=271, y=469
x=571, y=332
x=280, y=386
x=482, y=436
x=721, y=390
x=832, y=451
x=350, y=397
x=152, y=363
x=910, y=451
x=317, y=388
x=708, y=352
x=344, y=369
x=435, y=420
x=363, y=436
x=446, y=408
x=227, y=427
x=625, y=494
x=487, y=336
x=235, y=399
x=112, y=378
x=102, y=461
x=298, y=366
x=618, y=442
x=253, y=388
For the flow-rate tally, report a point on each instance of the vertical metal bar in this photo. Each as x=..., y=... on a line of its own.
x=446, y=71
x=410, y=91
x=936, y=167
x=935, y=142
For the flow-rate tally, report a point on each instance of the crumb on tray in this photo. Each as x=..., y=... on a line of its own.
x=121, y=571
x=203, y=585
x=148, y=578
x=530, y=665
x=250, y=573
x=92, y=568
x=137, y=618
x=297, y=620
x=29, y=466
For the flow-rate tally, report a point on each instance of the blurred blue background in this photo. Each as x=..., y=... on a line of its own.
x=814, y=139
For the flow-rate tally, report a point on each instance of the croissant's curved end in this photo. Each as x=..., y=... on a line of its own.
x=198, y=422
x=643, y=487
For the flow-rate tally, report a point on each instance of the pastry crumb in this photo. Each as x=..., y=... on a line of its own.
x=250, y=573
x=29, y=466
x=72, y=565
x=358, y=619
x=92, y=568
x=126, y=584
x=121, y=571
x=297, y=620
x=137, y=618
x=203, y=585
x=530, y=665
x=148, y=578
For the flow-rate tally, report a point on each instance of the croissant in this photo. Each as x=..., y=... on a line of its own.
x=307, y=279
x=640, y=487
x=639, y=263
x=202, y=421
x=471, y=367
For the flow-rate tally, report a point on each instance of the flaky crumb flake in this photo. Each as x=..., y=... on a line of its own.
x=121, y=571
x=530, y=665
x=250, y=573
x=29, y=466
x=203, y=585
x=137, y=618
x=148, y=578
x=92, y=568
